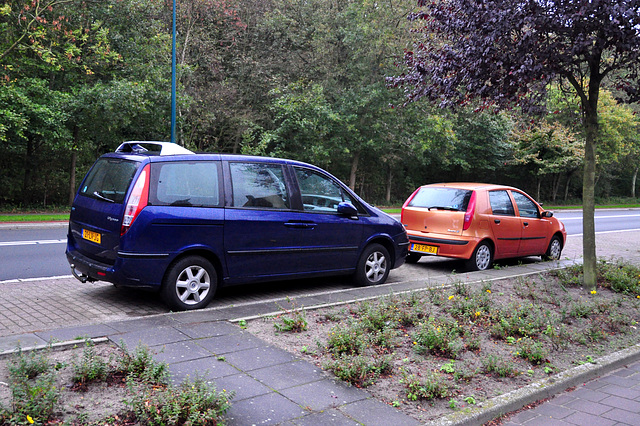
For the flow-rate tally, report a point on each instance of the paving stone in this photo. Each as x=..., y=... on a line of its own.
x=584, y=419
x=141, y=323
x=290, y=374
x=179, y=352
x=588, y=407
x=623, y=416
x=328, y=417
x=551, y=410
x=256, y=358
x=374, y=413
x=589, y=394
x=10, y=343
x=623, y=403
x=269, y=409
x=623, y=391
x=325, y=394
x=238, y=341
x=208, y=368
x=150, y=337
x=208, y=329
x=243, y=386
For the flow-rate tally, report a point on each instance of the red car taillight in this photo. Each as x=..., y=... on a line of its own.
x=137, y=200
x=471, y=208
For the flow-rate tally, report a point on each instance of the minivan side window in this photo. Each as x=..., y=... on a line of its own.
x=109, y=179
x=319, y=193
x=258, y=185
x=526, y=207
x=501, y=203
x=185, y=183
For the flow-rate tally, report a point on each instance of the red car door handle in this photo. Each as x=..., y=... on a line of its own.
x=525, y=223
x=497, y=221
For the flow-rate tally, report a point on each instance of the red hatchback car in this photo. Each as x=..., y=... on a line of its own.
x=480, y=223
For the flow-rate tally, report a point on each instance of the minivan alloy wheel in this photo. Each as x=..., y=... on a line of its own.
x=190, y=283
x=373, y=267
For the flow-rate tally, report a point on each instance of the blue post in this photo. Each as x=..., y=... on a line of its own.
x=173, y=78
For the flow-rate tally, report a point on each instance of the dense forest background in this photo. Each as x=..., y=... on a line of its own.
x=288, y=78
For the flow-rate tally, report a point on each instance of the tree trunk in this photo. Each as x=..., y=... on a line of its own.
x=354, y=170
x=566, y=187
x=633, y=182
x=72, y=175
x=538, y=182
x=389, y=179
x=588, y=192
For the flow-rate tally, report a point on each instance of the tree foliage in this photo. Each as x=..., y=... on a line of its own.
x=507, y=52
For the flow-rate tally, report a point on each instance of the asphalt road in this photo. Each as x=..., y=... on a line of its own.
x=38, y=250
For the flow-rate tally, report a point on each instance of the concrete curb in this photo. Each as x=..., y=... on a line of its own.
x=542, y=389
x=58, y=346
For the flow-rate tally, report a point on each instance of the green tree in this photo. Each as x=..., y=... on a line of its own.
x=506, y=52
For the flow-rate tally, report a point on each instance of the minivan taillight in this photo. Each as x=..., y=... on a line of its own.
x=471, y=208
x=137, y=200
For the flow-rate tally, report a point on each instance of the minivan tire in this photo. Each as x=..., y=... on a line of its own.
x=190, y=283
x=482, y=257
x=373, y=266
x=555, y=249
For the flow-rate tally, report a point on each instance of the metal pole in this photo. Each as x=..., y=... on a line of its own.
x=173, y=77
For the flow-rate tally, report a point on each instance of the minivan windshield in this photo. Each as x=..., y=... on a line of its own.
x=109, y=179
x=442, y=198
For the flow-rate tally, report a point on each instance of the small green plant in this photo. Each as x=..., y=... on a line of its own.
x=140, y=364
x=531, y=350
x=193, y=403
x=440, y=337
x=242, y=323
x=502, y=367
x=452, y=404
x=449, y=367
x=359, y=370
x=90, y=367
x=549, y=369
x=32, y=382
x=427, y=388
x=470, y=400
x=291, y=320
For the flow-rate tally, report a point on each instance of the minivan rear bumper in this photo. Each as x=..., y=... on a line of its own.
x=146, y=273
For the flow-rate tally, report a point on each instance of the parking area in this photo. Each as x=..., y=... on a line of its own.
x=35, y=305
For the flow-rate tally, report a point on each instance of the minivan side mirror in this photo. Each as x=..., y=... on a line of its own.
x=547, y=213
x=348, y=210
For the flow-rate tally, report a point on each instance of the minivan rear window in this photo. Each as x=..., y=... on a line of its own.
x=109, y=179
x=442, y=198
x=186, y=184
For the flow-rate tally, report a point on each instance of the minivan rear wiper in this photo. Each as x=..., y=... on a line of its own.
x=102, y=197
x=453, y=209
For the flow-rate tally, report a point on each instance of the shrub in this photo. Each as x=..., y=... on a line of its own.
x=192, y=403
x=427, y=388
x=532, y=351
x=359, y=370
x=438, y=336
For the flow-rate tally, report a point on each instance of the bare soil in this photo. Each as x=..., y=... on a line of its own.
x=79, y=404
x=584, y=327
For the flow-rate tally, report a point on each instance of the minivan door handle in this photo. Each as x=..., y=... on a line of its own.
x=301, y=225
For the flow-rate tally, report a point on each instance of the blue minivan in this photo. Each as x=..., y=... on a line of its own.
x=156, y=215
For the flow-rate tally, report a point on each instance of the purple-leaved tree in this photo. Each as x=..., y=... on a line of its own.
x=504, y=53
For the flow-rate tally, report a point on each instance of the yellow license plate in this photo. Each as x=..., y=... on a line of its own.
x=424, y=248
x=91, y=236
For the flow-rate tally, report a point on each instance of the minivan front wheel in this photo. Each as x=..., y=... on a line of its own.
x=373, y=266
x=482, y=258
x=190, y=283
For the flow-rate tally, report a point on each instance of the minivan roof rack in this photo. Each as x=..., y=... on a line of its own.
x=152, y=147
